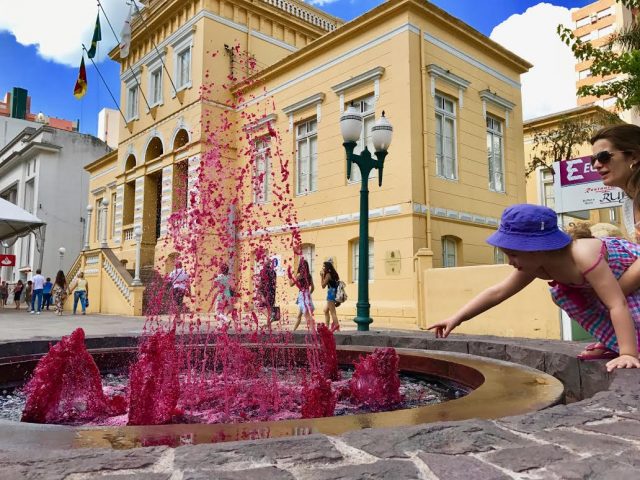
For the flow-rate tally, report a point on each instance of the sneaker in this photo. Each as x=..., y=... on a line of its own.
x=37, y=313
x=32, y=312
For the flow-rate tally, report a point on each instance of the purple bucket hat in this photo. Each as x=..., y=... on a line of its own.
x=529, y=228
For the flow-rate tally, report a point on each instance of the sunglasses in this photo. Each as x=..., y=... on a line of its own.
x=603, y=157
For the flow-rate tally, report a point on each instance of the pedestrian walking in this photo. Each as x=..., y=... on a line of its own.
x=330, y=278
x=4, y=293
x=304, y=282
x=17, y=293
x=59, y=292
x=28, y=293
x=46, y=294
x=180, y=284
x=80, y=289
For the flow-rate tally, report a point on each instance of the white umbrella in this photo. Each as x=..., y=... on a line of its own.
x=15, y=221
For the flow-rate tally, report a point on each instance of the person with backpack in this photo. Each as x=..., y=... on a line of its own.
x=330, y=279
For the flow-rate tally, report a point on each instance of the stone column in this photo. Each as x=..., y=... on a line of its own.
x=137, y=235
x=87, y=227
x=105, y=206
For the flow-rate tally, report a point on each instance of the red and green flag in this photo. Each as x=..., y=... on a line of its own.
x=97, y=36
x=81, y=84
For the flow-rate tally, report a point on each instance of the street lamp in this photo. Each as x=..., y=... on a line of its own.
x=61, y=252
x=351, y=128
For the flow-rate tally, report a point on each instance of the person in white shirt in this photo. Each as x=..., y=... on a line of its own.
x=180, y=284
x=38, y=286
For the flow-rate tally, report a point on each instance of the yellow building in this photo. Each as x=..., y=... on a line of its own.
x=455, y=163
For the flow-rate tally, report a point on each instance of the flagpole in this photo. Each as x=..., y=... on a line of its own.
x=175, y=90
x=135, y=77
x=106, y=85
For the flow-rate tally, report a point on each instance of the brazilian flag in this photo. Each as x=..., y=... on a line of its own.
x=97, y=36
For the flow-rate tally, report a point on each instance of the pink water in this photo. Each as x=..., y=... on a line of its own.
x=194, y=362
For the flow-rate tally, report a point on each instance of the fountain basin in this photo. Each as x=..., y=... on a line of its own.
x=499, y=389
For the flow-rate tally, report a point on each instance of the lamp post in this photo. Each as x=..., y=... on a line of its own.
x=351, y=127
x=61, y=252
x=137, y=235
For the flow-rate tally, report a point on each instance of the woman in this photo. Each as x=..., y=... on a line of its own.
x=80, y=289
x=17, y=293
x=330, y=278
x=304, y=282
x=616, y=157
x=59, y=292
x=28, y=292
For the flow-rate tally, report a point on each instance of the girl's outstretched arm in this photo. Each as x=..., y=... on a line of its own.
x=489, y=298
x=608, y=289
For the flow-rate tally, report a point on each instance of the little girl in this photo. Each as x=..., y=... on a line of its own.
x=583, y=275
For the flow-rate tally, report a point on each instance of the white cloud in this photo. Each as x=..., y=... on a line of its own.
x=550, y=85
x=320, y=3
x=58, y=28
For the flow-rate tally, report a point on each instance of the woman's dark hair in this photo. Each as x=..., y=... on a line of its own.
x=328, y=267
x=60, y=279
x=626, y=138
x=20, y=282
x=304, y=275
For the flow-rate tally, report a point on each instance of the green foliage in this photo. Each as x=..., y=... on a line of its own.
x=562, y=142
x=619, y=56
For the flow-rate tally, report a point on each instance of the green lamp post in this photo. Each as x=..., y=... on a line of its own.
x=381, y=133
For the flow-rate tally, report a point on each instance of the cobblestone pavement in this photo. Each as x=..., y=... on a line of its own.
x=597, y=437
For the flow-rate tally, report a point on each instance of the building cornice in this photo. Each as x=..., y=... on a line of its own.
x=102, y=161
x=547, y=121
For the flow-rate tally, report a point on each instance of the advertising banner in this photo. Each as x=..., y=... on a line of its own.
x=578, y=187
x=7, y=260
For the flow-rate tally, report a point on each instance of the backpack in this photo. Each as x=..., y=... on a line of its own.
x=341, y=293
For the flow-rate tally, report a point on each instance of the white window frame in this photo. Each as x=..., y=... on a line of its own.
x=546, y=185
x=606, y=31
x=155, y=86
x=309, y=254
x=449, y=251
x=583, y=21
x=441, y=116
x=307, y=136
x=499, y=257
x=582, y=74
x=261, y=188
x=181, y=47
x=605, y=13
x=495, y=130
x=366, y=106
x=133, y=100
x=355, y=250
x=614, y=215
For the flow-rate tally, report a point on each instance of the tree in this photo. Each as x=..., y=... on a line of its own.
x=619, y=56
x=569, y=132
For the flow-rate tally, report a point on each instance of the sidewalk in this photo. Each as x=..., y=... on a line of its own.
x=21, y=325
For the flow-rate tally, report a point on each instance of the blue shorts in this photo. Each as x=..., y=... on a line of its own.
x=304, y=301
x=331, y=294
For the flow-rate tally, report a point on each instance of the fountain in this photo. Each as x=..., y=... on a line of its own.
x=217, y=371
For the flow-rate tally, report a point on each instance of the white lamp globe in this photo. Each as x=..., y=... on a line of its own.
x=381, y=134
x=351, y=124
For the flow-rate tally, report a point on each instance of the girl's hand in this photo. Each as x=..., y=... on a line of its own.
x=623, y=361
x=443, y=329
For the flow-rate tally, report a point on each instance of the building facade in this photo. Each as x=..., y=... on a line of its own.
x=41, y=171
x=452, y=94
x=595, y=23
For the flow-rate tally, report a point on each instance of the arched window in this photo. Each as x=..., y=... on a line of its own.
x=449, y=251
x=130, y=164
x=181, y=139
x=154, y=149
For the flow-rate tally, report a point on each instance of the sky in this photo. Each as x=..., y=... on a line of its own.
x=41, y=47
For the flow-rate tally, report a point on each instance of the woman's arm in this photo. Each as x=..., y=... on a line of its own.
x=325, y=279
x=487, y=299
x=608, y=289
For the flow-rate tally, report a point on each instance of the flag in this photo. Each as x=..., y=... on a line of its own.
x=97, y=36
x=81, y=84
x=125, y=36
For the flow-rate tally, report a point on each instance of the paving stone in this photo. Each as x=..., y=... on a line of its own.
x=528, y=458
x=593, y=378
x=264, y=473
x=451, y=438
x=621, y=428
x=554, y=417
x=584, y=442
x=58, y=464
x=524, y=355
x=382, y=470
x=600, y=467
x=313, y=450
x=565, y=369
x=460, y=467
x=488, y=349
